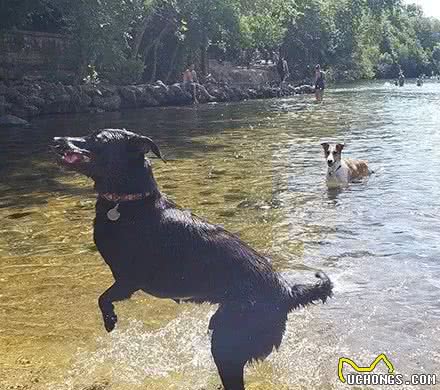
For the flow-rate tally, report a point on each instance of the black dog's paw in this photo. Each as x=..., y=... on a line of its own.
x=110, y=321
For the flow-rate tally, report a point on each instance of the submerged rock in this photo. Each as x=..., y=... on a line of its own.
x=11, y=120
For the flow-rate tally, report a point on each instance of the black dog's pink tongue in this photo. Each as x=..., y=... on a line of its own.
x=72, y=158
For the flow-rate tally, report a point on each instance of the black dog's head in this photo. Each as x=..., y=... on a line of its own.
x=114, y=159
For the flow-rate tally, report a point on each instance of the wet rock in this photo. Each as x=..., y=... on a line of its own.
x=25, y=111
x=233, y=94
x=217, y=93
x=3, y=88
x=128, y=97
x=135, y=96
x=36, y=101
x=203, y=96
x=11, y=120
x=106, y=90
x=57, y=99
x=28, y=89
x=160, y=91
x=291, y=89
x=269, y=92
x=13, y=96
x=145, y=96
x=4, y=105
x=79, y=99
x=90, y=90
x=107, y=103
x=178, y=95
x=253, y=94
x=303, y=89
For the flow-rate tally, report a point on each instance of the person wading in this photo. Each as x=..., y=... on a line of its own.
x=319, y=83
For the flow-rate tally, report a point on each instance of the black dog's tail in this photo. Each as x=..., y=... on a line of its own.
x=306, y=294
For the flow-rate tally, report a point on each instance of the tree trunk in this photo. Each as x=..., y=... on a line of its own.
x=154, y=70
x=203, y=59
x=140, y=32
x=173, y=60
x=155, y=46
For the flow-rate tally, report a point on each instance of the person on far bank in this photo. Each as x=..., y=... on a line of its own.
x=283, y=70
x=189, y=80
x=319, y=83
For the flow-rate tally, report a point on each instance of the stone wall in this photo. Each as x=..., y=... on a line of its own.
x=27, y=99
x=35, y=55
x=242, y=76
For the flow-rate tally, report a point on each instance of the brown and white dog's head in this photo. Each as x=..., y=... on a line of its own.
x=332, y=153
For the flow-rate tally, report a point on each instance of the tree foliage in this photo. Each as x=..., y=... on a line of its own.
x=130, y=40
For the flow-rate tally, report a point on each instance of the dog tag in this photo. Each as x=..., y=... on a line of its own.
x=113, y=214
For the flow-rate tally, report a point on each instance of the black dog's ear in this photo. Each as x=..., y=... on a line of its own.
x=325, y=145
x=146, y=144
x=339, y=147
x=153, y=147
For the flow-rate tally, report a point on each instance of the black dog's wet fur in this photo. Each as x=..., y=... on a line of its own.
x=169, y=253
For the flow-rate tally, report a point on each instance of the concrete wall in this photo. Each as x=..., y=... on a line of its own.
x=35, y=55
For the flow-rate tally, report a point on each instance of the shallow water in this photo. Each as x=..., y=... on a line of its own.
x=257, y=168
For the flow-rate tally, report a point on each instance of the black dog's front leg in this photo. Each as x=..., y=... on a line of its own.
x=117, y=292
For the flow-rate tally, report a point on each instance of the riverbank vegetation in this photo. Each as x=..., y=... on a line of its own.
x=128, y=41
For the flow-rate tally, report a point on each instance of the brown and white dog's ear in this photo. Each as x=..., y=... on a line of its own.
x=325, y=146
x=339, y=147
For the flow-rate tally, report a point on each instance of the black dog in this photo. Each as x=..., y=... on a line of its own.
x=152, y=245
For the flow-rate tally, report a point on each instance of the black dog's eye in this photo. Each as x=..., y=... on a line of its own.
x=96, y=147
x=327, y=152
x=134, y=148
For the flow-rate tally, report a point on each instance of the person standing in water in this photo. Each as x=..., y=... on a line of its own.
x=319, y=83
x=401, y=78
x=189, y=80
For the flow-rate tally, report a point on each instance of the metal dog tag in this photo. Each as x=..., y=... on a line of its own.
x=113, y=214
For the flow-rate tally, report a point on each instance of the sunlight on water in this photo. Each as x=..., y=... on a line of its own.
x=132, y=356
x=257, y=168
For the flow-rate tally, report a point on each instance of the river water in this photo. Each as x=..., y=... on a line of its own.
x=257, y=168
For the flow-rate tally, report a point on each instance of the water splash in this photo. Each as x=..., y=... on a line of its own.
x=134, y=355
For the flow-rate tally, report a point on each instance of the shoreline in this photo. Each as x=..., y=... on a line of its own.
x=20, y=101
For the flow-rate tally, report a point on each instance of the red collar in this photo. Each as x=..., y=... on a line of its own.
x=123, y=197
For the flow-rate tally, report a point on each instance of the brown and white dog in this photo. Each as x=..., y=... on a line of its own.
x=342, y=171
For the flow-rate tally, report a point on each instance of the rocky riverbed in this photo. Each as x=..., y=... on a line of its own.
x=29, y=99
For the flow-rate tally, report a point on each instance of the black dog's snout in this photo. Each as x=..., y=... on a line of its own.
x=330, y=163
x=69, y=143
x=58, y=144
